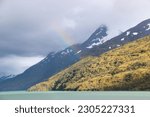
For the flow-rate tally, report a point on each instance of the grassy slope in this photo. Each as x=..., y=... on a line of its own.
x=124, y=68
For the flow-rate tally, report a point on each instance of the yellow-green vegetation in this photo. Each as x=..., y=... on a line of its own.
x=124, y=68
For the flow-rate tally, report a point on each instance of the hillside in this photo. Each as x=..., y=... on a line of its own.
x=98, y=43
x=124, y=68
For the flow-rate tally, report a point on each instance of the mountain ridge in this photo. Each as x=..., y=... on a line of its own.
x=123, y=68
x=4, y=76
x=55, y=62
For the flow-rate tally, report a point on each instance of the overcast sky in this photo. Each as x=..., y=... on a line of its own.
x=30, y=29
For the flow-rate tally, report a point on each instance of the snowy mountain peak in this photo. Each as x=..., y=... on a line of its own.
x=99, y=34
x=101, y=29
x=97, y=37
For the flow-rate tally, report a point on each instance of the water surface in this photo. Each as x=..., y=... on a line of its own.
x=75, y=95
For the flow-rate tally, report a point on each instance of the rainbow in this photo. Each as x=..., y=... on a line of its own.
x=64, y=36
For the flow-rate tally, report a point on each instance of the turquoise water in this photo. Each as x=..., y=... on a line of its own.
x=67, y=95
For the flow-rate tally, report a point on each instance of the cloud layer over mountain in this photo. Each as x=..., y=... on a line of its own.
x=33, y=28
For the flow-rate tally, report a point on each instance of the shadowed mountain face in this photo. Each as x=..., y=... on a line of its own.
x=97, y=44
x=124, y=68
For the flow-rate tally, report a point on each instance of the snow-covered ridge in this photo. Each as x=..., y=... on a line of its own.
x=133, y=32
x=98, y=37
x=6, y=76
x=67, y=51
x=100, y=41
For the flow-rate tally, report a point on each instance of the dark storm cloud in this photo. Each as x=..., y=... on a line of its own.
x=28, y=28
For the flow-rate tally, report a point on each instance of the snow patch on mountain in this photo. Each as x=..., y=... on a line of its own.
x=67, y=51
x=122, y=39
x=79, y=51
x=94, y=44
x=135, y=33
x=128, y=32
x=98, y=41
x=148, y=27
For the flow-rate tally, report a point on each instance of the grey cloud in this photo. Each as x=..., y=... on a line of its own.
x=29, y=27
x=26, y=25
x=16, y=64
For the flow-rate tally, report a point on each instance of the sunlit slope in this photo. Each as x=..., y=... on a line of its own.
x=124, y=68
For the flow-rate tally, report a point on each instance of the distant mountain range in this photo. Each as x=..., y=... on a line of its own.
x=98, y=43
x=124, y=68
x=5, y=76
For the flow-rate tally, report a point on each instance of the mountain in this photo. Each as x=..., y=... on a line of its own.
x=140, y=30
x=99, y=42
x=52, y=64
x=5, y=76
x=96, y=38
x=124, y=68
